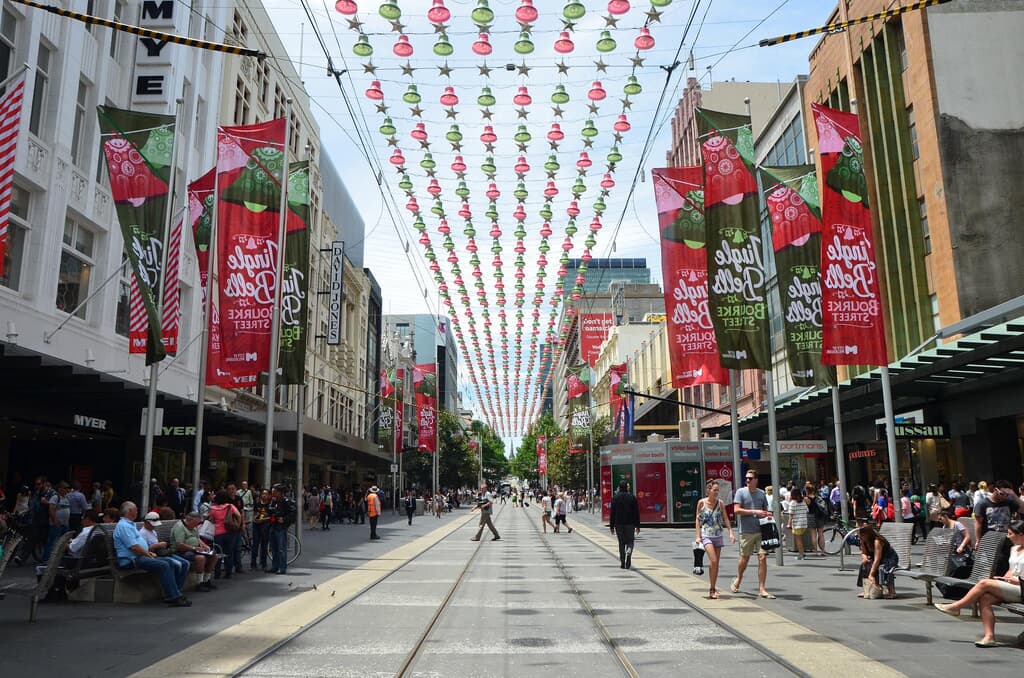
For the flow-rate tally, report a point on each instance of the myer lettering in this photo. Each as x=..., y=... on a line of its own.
x=90, y=422
x=153, y=70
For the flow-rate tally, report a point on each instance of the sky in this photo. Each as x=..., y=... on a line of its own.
x=722, y=35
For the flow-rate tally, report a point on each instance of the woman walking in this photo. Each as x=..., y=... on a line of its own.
x=711, y=519
x=994, y=591
x=797, y=522
x=878, y=562
x=545, y=518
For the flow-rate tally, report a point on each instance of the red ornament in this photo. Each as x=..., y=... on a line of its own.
x=645, y=40
x=443, y=228
x=495, y=231
x=458, y=165
x=564, y=44
x=573, y=210
x=526, y=13
x=449, y=98
x=551, y=190
x=397, y=158
x=521, y=167
x=483, y=45
x=374, y=91
x=607, y=181
x=419, y=132
x=520, y=213
x=596, y=92
x=347, y=7
x=556, y=133
x=522, y=97
x=488, y=136
x=618, y=6
x=402, y=48
x=545, y=230
x=434, y=188
x=586, y=256
x=584, y=160
x=438, y=14
x=622, y=124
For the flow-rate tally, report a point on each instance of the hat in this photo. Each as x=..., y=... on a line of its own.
x=153, y=518
x=375, y=489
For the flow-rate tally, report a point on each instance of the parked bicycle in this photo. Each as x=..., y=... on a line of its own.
x=294, y=547
x=840, y=534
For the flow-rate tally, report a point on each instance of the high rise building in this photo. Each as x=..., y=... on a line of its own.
x=432, y=341
x=603, y=272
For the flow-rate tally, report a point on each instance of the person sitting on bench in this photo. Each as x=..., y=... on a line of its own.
x=132, y=551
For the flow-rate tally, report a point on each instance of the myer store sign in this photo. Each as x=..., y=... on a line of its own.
x=153, y=76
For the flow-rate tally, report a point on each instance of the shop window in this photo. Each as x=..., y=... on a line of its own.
x=912, y=132
x=922, y=207
x=8, y=31
x=76, y=264
x=17, y=237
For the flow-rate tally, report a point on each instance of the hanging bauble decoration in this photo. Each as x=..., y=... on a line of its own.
x=402, y=48
x=443, y=227
x=573, y=210
x=574, y=10
x=522, y=97
x=524, y=45
x=397, y=158
x=599, y=206
x=545, y=230
x=471, y=245
x=607, y=181
x=437, y=208
x=346, y=7
x=454, y=135
x=414, y=208
x=606, y=43
x=564, y=44
x=521, y=166
x=556, y=133
x=419, y=132
x=520, y=231
x=522, y=135
x=362, y=47
x=589, y=130
x=552, y=164
x=428, y=161
x=424, y=239
x=482, y=14
x=560, y=96
x=434, y=188
x=551, y=190
x=614, y=155
x=492, y=211
x=586, y=256
x=645, y=40
x=597, y=92
x=390, y=11
x=405, y=183
x=526, y=13
x=488, y=136
x=632, y=86
x=520, y=213
x=438, y=14
x=544, y=248
x=387, y=128
x=495, y=231
x=449, y=97
x=570, y=228
x=661, y=3
x=579, y=187
x=442, y=47
x=462, y=191
x=486, y=98
x=545, y=211
x=622, y=124
x=411, y=96
x=492, y=192
x=458, y=165
x=482, y=46
x=584, y=161
x=374, y=92
x=616, y=7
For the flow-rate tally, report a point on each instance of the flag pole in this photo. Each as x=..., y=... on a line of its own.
x=734, y=427
x=197, y=454
x=773, y=455
x=590, y=435
x=154, y=371
x=275, y=323
x=890, y=437
x=300, y=398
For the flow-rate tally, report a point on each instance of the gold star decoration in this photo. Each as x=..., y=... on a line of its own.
x=601, y=66
x=425, y=144
x=522, y=113
x=393, y=141
x=611, y=22
x=638, y=61
x=382, y=108
x=485, y=113
x=551, y=174
x=594, y=108
x=417, y=111
x=654, y=16
x=368, y=67
x=626, y=104
x=489, y=148
x=610, y=167
x=407, y=69
x=397, y=26
x=485, y=70
x=440, y=28
x=617, y=137
x=558, y=111
x=354, y=24
x=446, y=70
x=582, y=172
x=588, y=143
x=450, y=113
x=525, y=27
x=456, y=146
x=521, y=146
x=523, y=69
x=401, y=170
x=460, y=175
x=568, y=25
x=431, y=173
x=490, y=176
x=553, y=145
x=563, y=68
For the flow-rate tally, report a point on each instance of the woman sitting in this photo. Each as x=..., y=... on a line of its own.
x=878, y=562
x=994, y=591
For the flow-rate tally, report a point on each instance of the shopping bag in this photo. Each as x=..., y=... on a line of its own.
x=769, y=534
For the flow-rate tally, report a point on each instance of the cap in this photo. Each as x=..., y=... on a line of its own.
x=153, y=518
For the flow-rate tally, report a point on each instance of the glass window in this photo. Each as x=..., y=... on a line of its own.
x=39, y=92
x=922, y=207
x=935, y=312
x=79, y=147
x=76, y=265
x=901, y=45
x=17, y=235
x=90, y=8
x=115, y=35
x=241, y=102
x=912, y=132
x=8, y=29
x=739, y=384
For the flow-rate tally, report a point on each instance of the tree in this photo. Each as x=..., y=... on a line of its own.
x=524, y=464
x=457, y=464
x=570, y=470
x=496, y=464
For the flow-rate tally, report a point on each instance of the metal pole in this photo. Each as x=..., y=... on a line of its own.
x=590, y=448
x=300, y=416
x=837, y=420
x=890, y=438
x=197, y=454
x=773, y=448
x=154, y=371
x=734, y=426
x=275, y=323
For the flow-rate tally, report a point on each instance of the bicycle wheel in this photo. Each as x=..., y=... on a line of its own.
x=835, y=538
x=294, y=548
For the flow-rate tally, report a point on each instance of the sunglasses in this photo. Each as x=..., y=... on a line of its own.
x=749, y=478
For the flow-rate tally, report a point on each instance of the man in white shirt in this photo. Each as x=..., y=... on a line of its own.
x=148, y=533
x=76, y=549
x=484, y=503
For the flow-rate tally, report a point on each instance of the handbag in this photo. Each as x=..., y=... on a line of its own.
x=872, y=591
x=769, y=534
x=960, y=565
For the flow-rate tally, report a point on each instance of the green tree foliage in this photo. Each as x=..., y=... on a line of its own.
x=524, y=464
x=496, y=464
x=570, y=470
x=457, y=463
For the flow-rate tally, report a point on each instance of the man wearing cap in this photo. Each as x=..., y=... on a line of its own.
x=133, y=551
x=161, y=548
x=373, y=510
x=484, y=502
x=186, y=544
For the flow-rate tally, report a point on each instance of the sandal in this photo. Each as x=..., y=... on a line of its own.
x=735, y=586
x=986, y=643
x=944, y=609
x=768, y=596
x=713, y=595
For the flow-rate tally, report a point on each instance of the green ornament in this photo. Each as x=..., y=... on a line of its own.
x=454, y=135
x=589, y=242
x=599, y=206
x=469, y=231
x=574, y=10
x=429, y=254
x=524, y=45
x=808, y=190
x=462, y=191
x=544, y=248
x=482, y=14
x=486, y=98
x=437, y=208
x=545, y=211
x=579, y=187
x=632, y=86
x=520, y=193
x=589, y=130
x=570, y=228
x=428, y=161
x=522, y=135
x=552, y=164
x=661, y=3
x=205, y=226
x=520, y=232
x=492, y=211
x=442, y=47
x=488, y=165
x=847, y=176
x=255, y=184
x=405, y=183
x=411, y=96
x=298, y=188
x=606, y=43
x=388, y=128
x=614, y=155
x=362, y=47
x=159, y=147
x=560, y=96
x=390, y=11
x=419, y=225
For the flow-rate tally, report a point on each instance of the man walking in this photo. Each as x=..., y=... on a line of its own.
x=750, y=506
x=373, y=510
x=410, y=505
x=282, y=515
x=484, y=503
x=625, y=523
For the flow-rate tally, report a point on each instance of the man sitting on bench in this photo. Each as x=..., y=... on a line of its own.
x=132, y=551
x=77, y=545
x=186, y=543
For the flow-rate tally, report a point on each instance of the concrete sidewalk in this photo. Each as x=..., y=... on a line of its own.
x=904, y=634
x=109, y=640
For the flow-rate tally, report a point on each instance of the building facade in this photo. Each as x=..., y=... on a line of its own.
x=433, y=342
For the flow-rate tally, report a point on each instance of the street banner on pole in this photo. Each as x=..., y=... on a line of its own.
x=139, y=148
x=295, y=279
x=577, y=384
x=853, y=327
x=399, y=382
x=593, y=332
x=10, y=121
x=736, y=272
x=692, y=346
x=201, y=207
x=424, y=380
x=250, y=167
x=542, y=455
x=386, y=421
x=794, y=207
x=622, y=417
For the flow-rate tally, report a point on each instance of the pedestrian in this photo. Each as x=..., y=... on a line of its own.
x=545, y=516
x=712, y=518
x=624, y=523
x=282, y=515
x=751, y=505
x=561, y=507
x=326, y=508
x=438, y=504
x=484, y=503
x=515, y=499
x=361, y=508
x=797, y=523
x=995, y=591
x=260, y=531
x=227, y=522
x=312, y=507
x=878, y=564
x=410, y=505
x=373, y=510
x=78, y=505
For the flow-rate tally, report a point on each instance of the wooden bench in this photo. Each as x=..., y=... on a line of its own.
x=899, y=536
x=985, y=556
x=938, y=548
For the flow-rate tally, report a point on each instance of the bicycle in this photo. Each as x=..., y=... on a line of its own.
x=294, y=547
x=839, y=535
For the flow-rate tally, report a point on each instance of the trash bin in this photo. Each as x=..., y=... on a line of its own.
x=420, y=506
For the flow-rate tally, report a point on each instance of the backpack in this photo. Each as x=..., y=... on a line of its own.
x=232, y=520
x=821, y=508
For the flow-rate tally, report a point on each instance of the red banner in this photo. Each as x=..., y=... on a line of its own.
x=399, y=410
x=693, y=348
x=542, y=455
x=201, y=209
x=593, y=331
x=853, y=327
x=618, y=401
x=250, y=164
x=606, y=492
x=424, y=384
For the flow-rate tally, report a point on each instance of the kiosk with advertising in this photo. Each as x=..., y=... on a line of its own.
x=616, y=466
x=685, y=474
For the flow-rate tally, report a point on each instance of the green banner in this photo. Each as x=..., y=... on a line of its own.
x=686, y=491
x=295, y=279
x=737, y=289
x=791, y=198
x=139, y=149
x=577, y=384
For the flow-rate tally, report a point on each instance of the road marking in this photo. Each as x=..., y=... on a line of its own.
x=810, y=652
x=228, y=651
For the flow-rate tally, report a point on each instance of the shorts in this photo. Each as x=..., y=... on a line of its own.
x=812, y=522
x=798, y=531
x=1010, y=593
x=559, y=518
x=547, y=514
x=750, y=544
x=711, y=541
